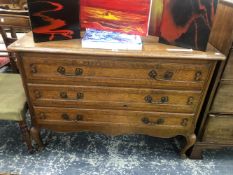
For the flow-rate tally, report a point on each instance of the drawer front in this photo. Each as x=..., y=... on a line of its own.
x=223, y=102
x=112, y=71
x=228, y=72
x=219, y=129
x=115, y=98
x=130, y=118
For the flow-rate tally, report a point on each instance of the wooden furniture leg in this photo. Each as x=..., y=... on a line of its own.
x=190, y=140
x=35, y=133
x=26, y=135
x=196, y=152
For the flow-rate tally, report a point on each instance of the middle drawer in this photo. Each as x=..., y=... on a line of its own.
x=114, y=98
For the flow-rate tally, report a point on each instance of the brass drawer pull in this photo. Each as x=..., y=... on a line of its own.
x=61, y=70
x=79, y=117
x=33, y=68
x=42, y=116
x=37, y=94
x=80, y=95
x=63, y=95
x=184, y=122
x=65, y=116
x=163, y=100
x=147, y=121
x=167, y=76
x=153, y=74
x=198, y=76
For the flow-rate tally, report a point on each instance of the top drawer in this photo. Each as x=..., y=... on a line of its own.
x=228, y=72
x=70, y=69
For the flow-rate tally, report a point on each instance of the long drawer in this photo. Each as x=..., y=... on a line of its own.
x=219, y=129
x=110, y=71
x=223, y=101
x=114, y=98
x=45, y=115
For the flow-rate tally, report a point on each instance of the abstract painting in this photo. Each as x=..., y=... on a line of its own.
x=125, y=16
x=54, y=19
x=187, y=23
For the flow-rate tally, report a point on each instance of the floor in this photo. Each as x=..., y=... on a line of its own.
x=96, y=154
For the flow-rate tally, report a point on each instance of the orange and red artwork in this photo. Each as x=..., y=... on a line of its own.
x=187, y=23
x=54, y=19
x=125, y=16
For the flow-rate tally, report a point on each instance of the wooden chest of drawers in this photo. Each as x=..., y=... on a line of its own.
x=215, y=129
x=158, y=91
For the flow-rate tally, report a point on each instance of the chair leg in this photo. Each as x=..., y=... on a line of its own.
x=26, y=135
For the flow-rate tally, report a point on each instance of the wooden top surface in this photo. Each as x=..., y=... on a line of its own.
x=151, y=48
x=228, y=2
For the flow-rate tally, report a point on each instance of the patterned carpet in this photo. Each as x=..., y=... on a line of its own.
x=95, y=154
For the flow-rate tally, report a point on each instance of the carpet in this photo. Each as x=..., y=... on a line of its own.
x=88, y=153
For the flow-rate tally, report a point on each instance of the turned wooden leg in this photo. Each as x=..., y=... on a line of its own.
x=26, y=135
x=190, y=140
x=35, y=133
x=196, y=152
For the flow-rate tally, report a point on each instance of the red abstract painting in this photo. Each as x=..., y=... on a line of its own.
x=187, y=23
x=54, y=20
x=125, y=16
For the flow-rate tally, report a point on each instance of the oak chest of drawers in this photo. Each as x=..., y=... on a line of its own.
x=158, y=91
x=215, y=129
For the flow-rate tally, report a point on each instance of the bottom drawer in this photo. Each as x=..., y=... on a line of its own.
x=219, y=129
x=61, y=116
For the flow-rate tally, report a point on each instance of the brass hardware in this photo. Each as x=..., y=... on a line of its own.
x=163, y=100
x=61, y=70
x=78, y=71
x=33, y=68
x=168, y=75
x=146, y=121
x=190, y=101
x=79, y=117
x=160, y=121
x=42, y=116
x=184, y=122
x=37, y=94
x=80, y=95
x=198, y=76
x=63, y=95
x=65, y=116
x=152, y=74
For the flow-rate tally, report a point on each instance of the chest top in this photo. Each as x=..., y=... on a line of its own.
x=151, y=49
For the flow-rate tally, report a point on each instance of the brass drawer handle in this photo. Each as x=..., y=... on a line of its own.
x=61, y=70
x=163, y=100
x=37, y=94
x=79, y=117
x=65, y=116
x=33, y=68
x=198, y=76
x=80, y=95
x=42, y=116
x=147, y=121
x=167, y=76
x=63, y=95
x=184, y=122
